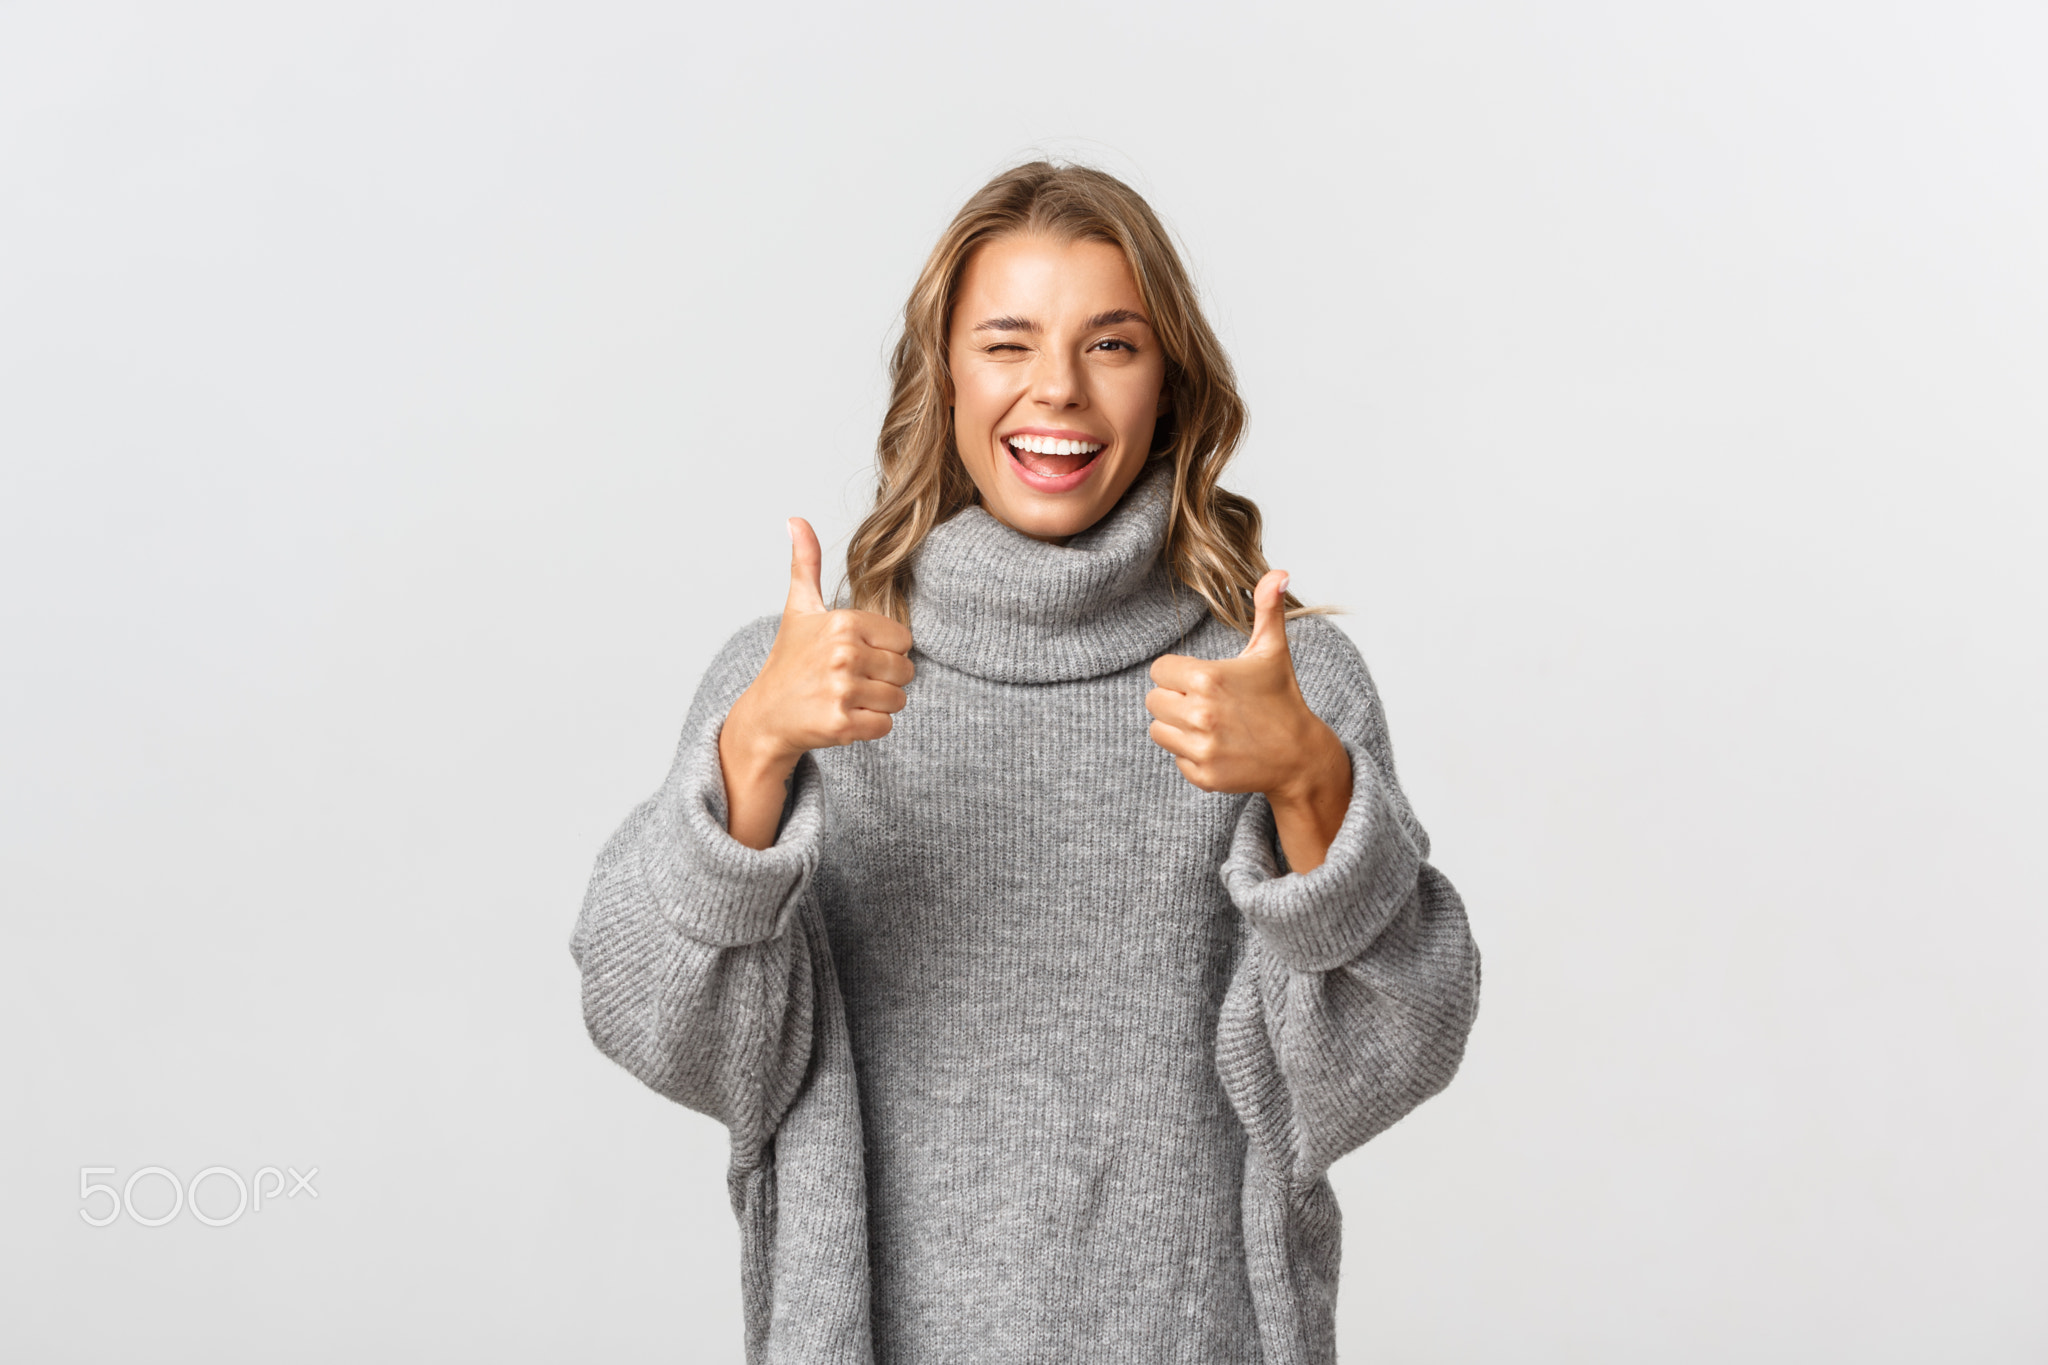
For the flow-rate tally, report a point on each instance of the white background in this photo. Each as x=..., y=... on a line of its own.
x=399, y=402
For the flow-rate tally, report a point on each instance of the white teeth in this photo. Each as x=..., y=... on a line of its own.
x=1047, y=445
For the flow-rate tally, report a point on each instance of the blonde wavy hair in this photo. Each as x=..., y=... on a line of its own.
x=1212, y=537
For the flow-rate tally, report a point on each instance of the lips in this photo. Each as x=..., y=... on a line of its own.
x=1052, y=464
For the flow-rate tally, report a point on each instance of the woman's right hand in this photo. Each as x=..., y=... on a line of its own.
x=831, y=678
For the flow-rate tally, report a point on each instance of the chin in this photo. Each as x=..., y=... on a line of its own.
x=1048, y=523
x=1051, y=516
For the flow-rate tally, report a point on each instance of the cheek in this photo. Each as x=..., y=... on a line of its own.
x=977, y=406
x=1138, y=404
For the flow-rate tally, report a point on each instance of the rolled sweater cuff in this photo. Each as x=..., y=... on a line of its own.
x=707, y=883
x=1329, y=915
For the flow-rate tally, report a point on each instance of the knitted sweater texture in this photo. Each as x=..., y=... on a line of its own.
x=1029, y=1050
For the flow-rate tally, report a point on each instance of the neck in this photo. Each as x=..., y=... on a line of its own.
x=989, y=600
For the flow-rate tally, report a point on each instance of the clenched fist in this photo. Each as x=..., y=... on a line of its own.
x=1242, y=725
x=831, y=678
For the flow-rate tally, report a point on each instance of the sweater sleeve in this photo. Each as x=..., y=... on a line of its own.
x=1359, y=980
x=695, y=961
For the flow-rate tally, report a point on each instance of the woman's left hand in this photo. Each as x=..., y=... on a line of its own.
x=1242, y=725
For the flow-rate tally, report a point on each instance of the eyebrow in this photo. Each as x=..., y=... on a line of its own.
x=1109, y=319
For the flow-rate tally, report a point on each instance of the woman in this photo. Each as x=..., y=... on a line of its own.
x=1037, y=1028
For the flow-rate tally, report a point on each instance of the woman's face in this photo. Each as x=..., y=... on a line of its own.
x=1058, y=381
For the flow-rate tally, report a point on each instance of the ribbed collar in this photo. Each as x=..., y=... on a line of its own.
x=993, y=602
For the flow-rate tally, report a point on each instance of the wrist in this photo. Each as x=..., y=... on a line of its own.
x=1319, y=780
x=750, y=755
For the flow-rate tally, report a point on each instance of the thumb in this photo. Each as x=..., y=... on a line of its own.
x=1269, y=620
x=806, y=592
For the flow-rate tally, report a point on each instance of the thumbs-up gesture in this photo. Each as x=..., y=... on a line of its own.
x=1242, y=725
x=831, y=678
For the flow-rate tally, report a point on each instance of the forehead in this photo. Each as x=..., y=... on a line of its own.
x=1045, y=279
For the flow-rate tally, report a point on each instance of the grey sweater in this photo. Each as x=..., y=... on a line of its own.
x=1030, y=1051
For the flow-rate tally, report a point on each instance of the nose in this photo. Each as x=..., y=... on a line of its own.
x=1056, y=381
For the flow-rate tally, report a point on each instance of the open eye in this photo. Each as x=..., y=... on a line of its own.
x=1113, y=343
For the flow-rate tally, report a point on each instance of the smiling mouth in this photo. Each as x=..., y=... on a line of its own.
x=1050, y=458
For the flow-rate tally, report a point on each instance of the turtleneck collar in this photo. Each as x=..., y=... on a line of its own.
x=993, y=602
